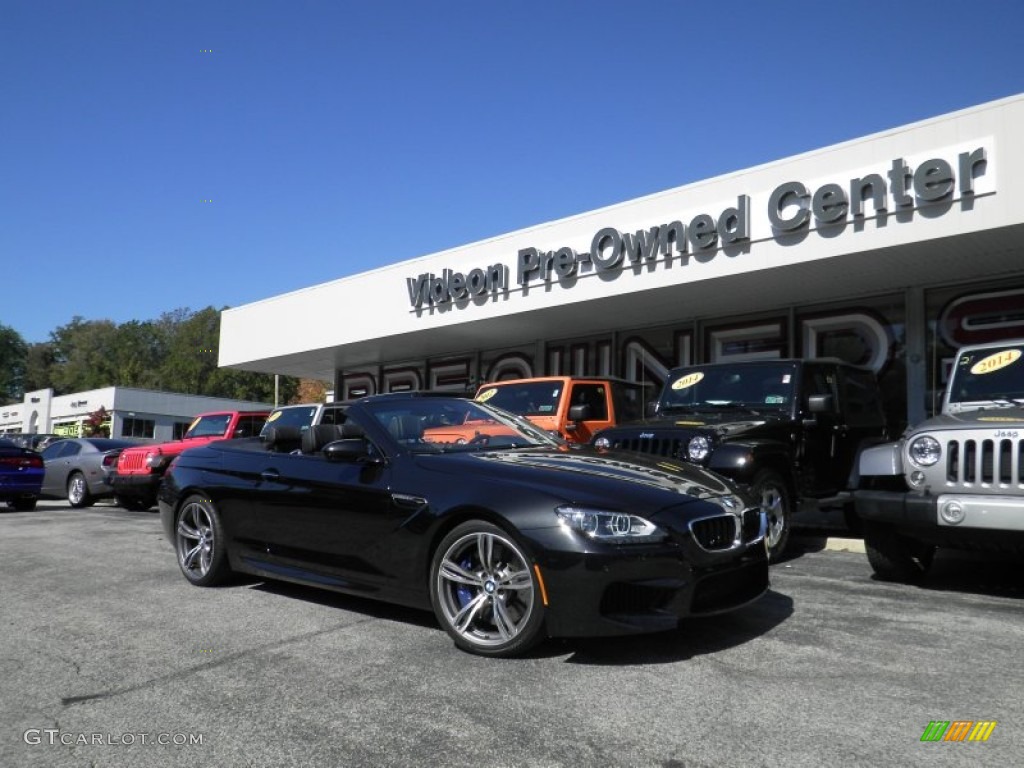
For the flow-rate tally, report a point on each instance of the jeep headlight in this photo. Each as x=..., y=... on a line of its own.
x=155, y=460
x=698, y=448
x=607, y=526
x=924, y=451
x=602, y=442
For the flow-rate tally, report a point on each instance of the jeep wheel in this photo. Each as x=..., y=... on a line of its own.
x=894, y=557
x=770, y=490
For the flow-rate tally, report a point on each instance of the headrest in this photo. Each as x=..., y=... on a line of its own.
x=283, y=438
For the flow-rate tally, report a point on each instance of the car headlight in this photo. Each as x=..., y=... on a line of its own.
x=925, y=451
x=602, y=442
x=155, y=460
x=610, y=527
x=698, y=448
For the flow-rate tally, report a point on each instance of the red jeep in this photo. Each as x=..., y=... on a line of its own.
x=140, y=469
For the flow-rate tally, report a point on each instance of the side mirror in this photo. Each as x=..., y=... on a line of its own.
x=820, y=404
x=347, y=450
x=579, y=412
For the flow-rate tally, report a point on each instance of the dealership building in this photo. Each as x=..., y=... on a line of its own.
x=890, y=251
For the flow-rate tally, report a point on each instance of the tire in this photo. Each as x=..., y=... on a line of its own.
x=770, y=490
x=894, y=557
x=78, y=491
x=199, y=543
x=23, y=505
x=484, y=591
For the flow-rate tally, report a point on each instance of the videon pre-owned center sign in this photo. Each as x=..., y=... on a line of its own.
x=788, y=212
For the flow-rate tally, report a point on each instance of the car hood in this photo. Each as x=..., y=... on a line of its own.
x=722, y=424
x=996, y=417
x=584, y=475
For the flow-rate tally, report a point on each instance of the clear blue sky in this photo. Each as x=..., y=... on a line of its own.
x=335, y=137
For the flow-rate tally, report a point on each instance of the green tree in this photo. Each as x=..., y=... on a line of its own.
x=13, y=354
x=82, y=355
x=38, y=362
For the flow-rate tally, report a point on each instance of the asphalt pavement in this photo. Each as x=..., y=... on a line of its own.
x=109, y=658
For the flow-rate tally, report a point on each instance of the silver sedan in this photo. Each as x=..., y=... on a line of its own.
x=77, y=468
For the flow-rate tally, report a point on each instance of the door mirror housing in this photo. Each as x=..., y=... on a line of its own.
x=580, y=412
x=347, y=450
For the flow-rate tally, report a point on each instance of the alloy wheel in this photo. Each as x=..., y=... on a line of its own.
x=194, y=540
x=485, y=590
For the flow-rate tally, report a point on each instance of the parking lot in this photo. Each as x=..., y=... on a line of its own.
x=109, y=658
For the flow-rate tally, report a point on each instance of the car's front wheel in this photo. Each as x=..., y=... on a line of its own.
x=894, y=557
x=771, y=492
x=78, y=491
x=199, y=542
x=485, y=593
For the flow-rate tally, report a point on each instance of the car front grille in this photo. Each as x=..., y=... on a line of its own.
x=133, y=461
x=716, y=533
x=657, y=446
x=974, y=464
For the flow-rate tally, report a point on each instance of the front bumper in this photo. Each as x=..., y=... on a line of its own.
x=989, y=523
x=642, y=588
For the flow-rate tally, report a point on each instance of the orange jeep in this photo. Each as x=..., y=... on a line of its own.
x=572, y=407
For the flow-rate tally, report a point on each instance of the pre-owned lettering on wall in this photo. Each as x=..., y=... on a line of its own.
x=792, y=208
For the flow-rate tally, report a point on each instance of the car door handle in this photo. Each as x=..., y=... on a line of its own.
x=270, y=475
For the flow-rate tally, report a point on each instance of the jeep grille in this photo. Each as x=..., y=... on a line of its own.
x=971, y=463
x=131, y=461
x=658, y=446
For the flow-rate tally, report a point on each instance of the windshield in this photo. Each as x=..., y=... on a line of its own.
x=987, y=375
x=440, y=425
x=298, y=416
x=536, y=398
x=214, y=425
x=758, y=387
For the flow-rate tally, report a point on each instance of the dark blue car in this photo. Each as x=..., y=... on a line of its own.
x=21, y=476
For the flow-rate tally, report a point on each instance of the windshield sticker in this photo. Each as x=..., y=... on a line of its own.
x=787, y=378
x=774, y=399
x=687, y=381
x=546, y=408
x=274, y=416
x=995, y=362
x=555, y=393
x=486, y=395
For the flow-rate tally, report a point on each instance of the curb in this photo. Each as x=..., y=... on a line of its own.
x=834, y=544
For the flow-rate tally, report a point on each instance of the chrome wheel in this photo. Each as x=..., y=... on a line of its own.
x=200, y=543
x=770, y=491
x=78, y=491
x=483, y=591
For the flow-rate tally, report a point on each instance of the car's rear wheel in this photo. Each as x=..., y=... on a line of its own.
x=771, y=492
x=199, y=542
x=78, y=491
x=484, y=592
x=894, y=557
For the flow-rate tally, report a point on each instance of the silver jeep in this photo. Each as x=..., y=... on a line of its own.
x=955, y=480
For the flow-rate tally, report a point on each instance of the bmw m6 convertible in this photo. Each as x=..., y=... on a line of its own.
x=508, y=534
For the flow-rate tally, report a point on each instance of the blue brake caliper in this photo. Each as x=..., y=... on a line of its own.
x=464, y=592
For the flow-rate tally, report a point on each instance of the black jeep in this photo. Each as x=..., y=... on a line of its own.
x=789, y=430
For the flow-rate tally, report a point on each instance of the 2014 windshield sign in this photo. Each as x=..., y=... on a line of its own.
x=792, y=208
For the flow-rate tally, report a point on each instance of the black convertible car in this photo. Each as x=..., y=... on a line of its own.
x=509, y=534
